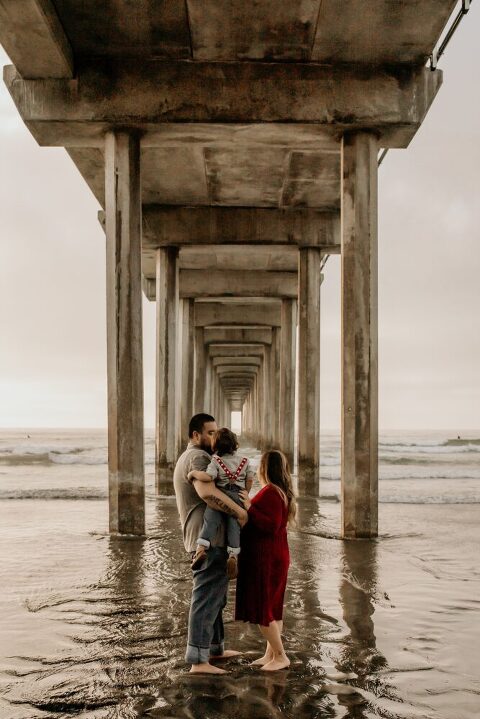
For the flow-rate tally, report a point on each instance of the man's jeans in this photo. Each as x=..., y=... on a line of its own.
x=213, y=518
x=209, y=596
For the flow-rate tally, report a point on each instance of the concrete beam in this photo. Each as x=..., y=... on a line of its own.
x=393, y=101
x=238, y=361
x=244, y=312
x=240, y=350
x=238, y=335
x=33, y=37
x=230, y=283
x=236, y=225
x=229, y=370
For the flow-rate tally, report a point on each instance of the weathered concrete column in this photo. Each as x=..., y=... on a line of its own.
x=246, y=418
x=309, y=281
x=256, y=411
x=208, y=387
x=359, y=336
x=268, y=398
x=124, y=333
x=200, y=371
x=167, y=382
x=276, y=359
x=288, y=353
x=186, y=395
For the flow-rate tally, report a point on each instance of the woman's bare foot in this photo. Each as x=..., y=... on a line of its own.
x=261, y=661
x=206, y=668
x=276, y=664
x=227, y=654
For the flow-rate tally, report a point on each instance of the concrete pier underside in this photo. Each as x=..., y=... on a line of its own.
x=231, y=147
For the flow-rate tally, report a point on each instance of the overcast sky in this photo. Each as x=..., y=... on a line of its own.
x=52, y=275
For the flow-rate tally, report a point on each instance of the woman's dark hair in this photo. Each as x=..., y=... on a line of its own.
x=224, y=442
x=274, y=470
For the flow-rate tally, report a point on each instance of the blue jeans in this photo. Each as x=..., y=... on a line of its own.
x=209, y=596
x=212, y=520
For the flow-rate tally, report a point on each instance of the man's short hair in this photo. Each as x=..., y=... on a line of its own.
x=197, y=422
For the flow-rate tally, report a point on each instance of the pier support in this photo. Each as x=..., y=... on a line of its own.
x=359, y=336
x=275, y=372
x=288, y=352
x=309, y=281
x=188, y=356
x=124, y=334
x=200, y=371
x=167, y=381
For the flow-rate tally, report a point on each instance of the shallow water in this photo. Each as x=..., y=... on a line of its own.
x=94, y=626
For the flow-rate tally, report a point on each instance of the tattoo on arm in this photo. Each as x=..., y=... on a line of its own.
x=219, y=504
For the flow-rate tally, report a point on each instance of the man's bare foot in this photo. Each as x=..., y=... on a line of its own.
x=227, y=654
x=275, y=664
x=261, y=661
x=206, y=668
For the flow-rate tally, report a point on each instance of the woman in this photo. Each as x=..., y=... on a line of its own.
x=264, y=559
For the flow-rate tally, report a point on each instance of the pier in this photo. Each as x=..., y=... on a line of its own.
x=232, y=149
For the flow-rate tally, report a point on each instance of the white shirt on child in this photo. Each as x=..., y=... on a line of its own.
x=232, y=462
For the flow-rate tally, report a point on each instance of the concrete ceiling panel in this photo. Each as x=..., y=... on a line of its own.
x=369, y=31
x=313, y=181
x=119, y=27
x=252, y=30
x=174, y=175
x=245, y=176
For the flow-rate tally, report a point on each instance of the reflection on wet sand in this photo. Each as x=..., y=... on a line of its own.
x=121, y=638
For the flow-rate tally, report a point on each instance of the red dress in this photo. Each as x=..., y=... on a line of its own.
x=264, y=560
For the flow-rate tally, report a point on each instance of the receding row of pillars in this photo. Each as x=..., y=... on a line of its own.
x=186, y=371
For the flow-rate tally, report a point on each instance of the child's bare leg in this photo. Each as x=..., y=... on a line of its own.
x=274, y=639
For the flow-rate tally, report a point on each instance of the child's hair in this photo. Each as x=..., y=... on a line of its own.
x=274, y=470
x=224, y=442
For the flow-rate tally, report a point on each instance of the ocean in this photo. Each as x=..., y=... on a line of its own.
x=94, y=626
x=415, y=467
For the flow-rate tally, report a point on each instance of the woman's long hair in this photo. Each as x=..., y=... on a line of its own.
x=274, y=470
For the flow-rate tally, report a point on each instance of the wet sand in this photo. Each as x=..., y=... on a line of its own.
x=94, y=626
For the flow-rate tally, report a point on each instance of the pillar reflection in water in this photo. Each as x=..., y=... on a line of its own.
x=358, y=592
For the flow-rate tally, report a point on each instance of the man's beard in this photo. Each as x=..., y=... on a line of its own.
x=206, y=447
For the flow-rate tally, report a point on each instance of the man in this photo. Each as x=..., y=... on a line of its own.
x=210, y=581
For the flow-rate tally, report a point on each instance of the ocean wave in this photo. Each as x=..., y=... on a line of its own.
x=422, y=474
x=54, y=493
x=409, y=499
x=91, y=494
x=47, y=457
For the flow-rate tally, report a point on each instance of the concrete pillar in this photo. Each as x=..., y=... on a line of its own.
x=167, y=382
x=268, y=400
x=275, y=372
x=246, y=418
x=123, y=207
x=188, y=356
x=288, y=353
x=200, y=371
x=256, y=411
x=309, y=280
x=359, y=336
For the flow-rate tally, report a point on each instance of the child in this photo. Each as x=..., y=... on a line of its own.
x=231, y=473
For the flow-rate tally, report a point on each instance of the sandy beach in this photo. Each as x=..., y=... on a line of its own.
x=95, y=627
